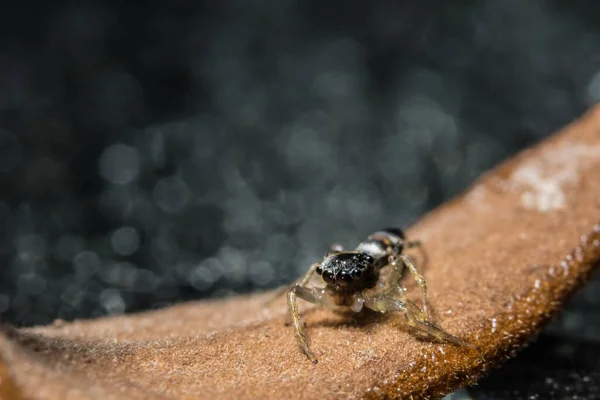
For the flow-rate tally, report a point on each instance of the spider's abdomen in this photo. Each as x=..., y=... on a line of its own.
x=381, y=244
x=348, y=271
x=376, y=248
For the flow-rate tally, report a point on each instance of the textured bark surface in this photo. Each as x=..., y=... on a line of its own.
x=503, y=258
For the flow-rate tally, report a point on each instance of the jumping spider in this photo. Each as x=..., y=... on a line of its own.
x=348, y=276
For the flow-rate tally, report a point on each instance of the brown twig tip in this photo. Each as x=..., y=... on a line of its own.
x=495, y=275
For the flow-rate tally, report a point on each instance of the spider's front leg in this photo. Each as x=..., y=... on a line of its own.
x=312, y=295
x=396, y=274
x=414, y=317
x=303, y=282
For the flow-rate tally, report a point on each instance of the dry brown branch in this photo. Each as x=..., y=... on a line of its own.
x=503, y=258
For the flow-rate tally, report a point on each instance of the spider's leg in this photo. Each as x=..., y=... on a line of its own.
x=312, y=295
x=336, y=248
x=309, y=274
x=303, y=282
x=417, y=243
x=418, y=277
x=414, y=317
x=413, y=243
x=393, y=285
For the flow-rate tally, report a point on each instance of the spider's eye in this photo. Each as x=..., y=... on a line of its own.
x=319, y=270
x=327, y=276
x=358, y=273
x=345, y=278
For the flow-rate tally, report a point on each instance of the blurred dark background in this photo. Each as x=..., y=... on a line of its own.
x=159, y=152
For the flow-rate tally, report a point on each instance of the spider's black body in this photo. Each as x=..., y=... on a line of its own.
x=351, y=271
x=348, y=271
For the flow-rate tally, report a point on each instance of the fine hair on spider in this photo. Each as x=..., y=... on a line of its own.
x=348, y=276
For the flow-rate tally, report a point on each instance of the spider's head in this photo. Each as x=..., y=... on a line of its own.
x=348, y=271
